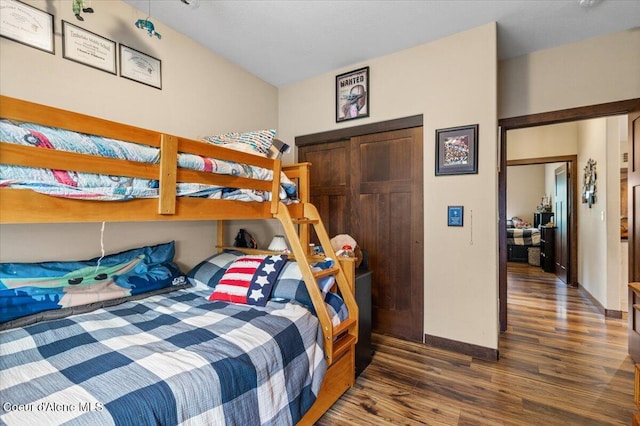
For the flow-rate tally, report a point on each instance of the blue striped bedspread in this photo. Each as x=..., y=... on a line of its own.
x=167, y=359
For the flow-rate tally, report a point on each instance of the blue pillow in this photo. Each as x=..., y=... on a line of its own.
x=29, y=288
x=290, y=284
x=206, y=274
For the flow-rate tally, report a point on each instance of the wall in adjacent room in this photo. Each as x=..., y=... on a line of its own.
x=526, y=186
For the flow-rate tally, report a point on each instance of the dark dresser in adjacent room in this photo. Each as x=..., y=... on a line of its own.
x=547, y=248
x=542, y=218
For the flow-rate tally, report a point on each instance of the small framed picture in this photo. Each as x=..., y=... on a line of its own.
x=352, y=95
x=27, y=25
x=455, y=215
x=140, y=67
x=457, y=150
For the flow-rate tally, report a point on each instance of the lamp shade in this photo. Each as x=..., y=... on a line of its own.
x=278, y=243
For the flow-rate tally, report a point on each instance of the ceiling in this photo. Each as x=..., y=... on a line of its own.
x=286, y=41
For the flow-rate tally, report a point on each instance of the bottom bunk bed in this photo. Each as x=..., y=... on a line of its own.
x=134, y=340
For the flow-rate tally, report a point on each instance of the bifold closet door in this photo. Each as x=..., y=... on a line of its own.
x=387, y=216
x=330, y=184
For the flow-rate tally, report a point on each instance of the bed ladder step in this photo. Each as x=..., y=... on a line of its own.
x=343, y=345
x=342, y=338
x=343, y=326
x=326, y=272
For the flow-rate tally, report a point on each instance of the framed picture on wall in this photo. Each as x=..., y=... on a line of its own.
x=352, y=95
x=455, y=215
x=88, y=48
x=27, y=25
x=457, y=150
x=140, y=67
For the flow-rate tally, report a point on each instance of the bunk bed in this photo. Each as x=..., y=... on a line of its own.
x=336, y=339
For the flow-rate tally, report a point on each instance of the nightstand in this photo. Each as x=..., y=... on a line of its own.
x=364, y=350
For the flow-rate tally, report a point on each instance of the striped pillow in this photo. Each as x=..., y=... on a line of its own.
x=249, y=279
x=259, y=141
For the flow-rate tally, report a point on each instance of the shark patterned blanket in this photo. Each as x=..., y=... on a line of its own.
x=167, y=359
x=69, y=184
x=523, y=236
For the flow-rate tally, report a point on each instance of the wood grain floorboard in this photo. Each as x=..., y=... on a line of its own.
x=561, y=363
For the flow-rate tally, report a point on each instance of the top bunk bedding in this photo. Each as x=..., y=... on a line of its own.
x=160, y=176
x=81, y=185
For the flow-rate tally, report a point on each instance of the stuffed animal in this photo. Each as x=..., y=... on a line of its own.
x=78, y=6
x=340, y=241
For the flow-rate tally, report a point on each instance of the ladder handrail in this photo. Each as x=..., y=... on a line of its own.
x=328, y=330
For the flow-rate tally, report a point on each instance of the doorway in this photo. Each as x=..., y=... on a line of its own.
x=560, y=171
x=555, y=117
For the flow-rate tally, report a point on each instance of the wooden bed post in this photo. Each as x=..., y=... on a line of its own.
x=168, y=174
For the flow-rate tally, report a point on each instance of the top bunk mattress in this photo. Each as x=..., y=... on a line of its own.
x=81, y=185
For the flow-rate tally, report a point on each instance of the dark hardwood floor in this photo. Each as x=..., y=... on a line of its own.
x=561, y=363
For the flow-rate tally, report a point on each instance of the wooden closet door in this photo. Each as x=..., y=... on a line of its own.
x=386, y=219
x=330, y=184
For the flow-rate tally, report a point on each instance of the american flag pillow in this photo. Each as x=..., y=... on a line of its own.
x=249, y=279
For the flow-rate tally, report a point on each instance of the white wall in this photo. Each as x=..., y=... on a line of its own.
x=202, y=93
x=460, y=303
x=613, y=285
x=594, y=71
x=592, y=227
x=525, y=189
x=542, y=141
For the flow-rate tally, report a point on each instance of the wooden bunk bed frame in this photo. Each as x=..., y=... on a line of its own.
x=20, y=206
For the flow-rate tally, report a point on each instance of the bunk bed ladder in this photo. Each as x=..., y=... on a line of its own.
x=340, y=339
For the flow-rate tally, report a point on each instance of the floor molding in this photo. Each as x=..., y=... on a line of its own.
x=479, y=352
x=609, y=313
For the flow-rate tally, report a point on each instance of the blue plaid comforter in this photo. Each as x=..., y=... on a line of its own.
x=167, y=359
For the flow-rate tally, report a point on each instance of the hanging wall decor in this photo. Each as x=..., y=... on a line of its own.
x=589, y=183
x=147, y=25
x=79, y=6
